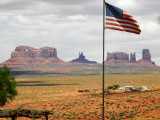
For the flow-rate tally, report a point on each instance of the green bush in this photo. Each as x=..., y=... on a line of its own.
x=109, y=87
x=113, y=87
x=7, y=86
x=121, y=114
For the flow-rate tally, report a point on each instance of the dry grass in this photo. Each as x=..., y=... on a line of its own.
x=60, y=94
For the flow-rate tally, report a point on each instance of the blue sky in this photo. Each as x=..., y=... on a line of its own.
x=73, y=26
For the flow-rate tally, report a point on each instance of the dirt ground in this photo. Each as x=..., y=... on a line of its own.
x=86, y=106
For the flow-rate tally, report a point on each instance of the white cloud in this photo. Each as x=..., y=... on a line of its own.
x=151, y=27
x=76, y=26
x=77, y=18
x=129, y=4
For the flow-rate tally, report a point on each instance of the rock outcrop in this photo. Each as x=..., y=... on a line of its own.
x=82, y=59
x=146, y=58
x=146, y=55
x=133, y=57
x=26, y=51
x=123, y=58
x=26, y=55
x=118, y=57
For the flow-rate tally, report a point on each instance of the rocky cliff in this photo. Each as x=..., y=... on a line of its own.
x=146, y=58
x=146, y=55
x=133, y=57
x=26, y=55
x=26, y=51
x=82, y=59
x=118, y=57
x=123, y=58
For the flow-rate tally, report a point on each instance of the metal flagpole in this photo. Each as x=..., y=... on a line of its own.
x=103, y=55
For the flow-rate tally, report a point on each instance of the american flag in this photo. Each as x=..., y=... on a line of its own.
x=117, y=19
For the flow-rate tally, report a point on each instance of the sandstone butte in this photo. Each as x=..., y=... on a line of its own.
x=25, y=55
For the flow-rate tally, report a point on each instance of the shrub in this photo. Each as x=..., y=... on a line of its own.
x=121, y=114
x=157, y=107
x=107, y=116
x=109, y=87
x=116, y=86
x=129, y=100
x=113, y=87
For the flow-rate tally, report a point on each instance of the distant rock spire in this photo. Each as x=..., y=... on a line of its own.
x=81, y=56
x=146, y=55
x=133, y=57
x=82, y=59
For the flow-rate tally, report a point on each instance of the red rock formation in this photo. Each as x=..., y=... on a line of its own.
x=82, y=59
x=25, y=55
x=145, y=63
x=146, y=55
x=146, y=58
x=117, y=57
x=133, y=57
x=123, y=58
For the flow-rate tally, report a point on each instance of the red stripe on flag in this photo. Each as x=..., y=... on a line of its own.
x=129, y=19
x=122, y=30
x=127, y=15
x=124, y=26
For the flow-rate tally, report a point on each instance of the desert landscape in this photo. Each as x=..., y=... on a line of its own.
x=74, y=90
x=79, y=60
x=59, y=92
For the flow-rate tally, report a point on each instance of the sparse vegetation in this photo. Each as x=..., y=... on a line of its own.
x=59, y=93
x=113, y=87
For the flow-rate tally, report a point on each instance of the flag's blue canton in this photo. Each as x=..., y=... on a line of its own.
x=114, y=11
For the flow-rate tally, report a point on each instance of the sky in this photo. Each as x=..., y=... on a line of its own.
x=73, y=26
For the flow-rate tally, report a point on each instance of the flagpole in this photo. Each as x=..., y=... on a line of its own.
x=103, y=55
